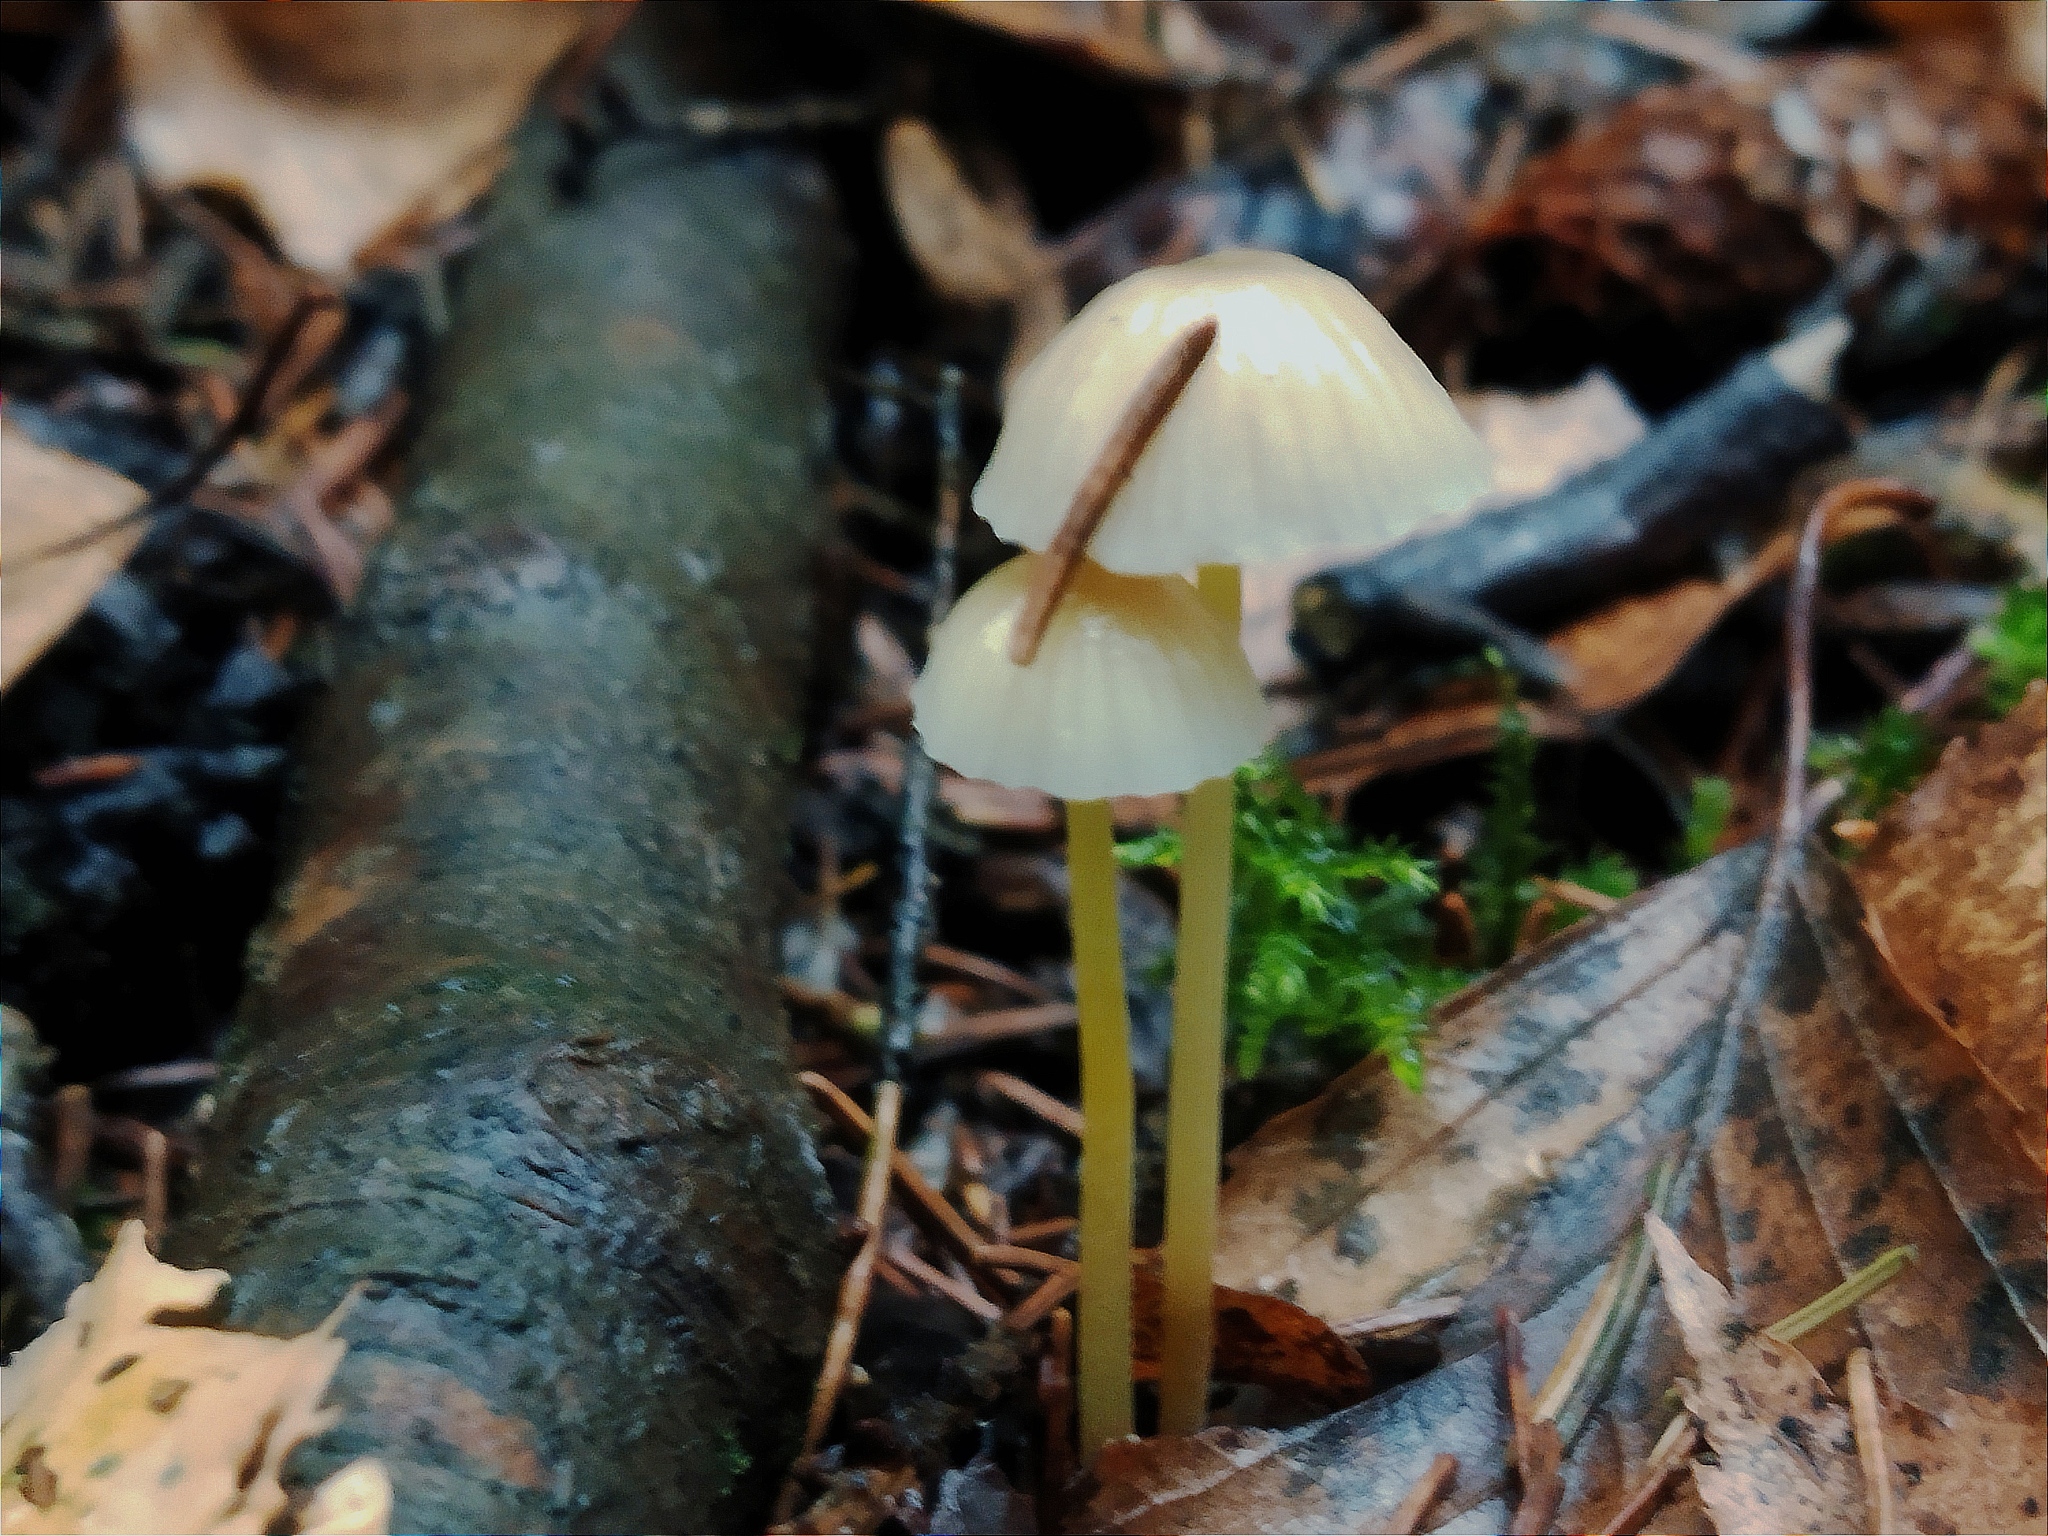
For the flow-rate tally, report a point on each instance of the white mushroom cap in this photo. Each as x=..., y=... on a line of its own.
x=1137, y=689
x=1309, y=426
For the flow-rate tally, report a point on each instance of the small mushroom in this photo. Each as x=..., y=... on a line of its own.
x=1303, y=423
x=1136, y=689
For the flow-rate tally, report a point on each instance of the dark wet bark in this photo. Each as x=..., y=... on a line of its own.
x=512, y=1052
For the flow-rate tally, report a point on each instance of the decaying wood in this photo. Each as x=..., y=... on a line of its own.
x=512, y=1053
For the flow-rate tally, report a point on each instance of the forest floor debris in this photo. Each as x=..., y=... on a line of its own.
x=1528, y=201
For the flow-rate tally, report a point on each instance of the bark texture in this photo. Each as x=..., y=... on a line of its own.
x=512, y=1052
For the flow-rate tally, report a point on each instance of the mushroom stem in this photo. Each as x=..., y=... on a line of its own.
x=1194, y=1123
x=1108, y=1113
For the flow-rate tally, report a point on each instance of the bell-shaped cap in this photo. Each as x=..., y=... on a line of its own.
x=1137, y=688
x=1309, y=426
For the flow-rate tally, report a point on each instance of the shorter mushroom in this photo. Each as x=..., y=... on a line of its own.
x=1135, y=689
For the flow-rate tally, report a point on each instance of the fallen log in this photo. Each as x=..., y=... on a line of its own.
x=512, y=1051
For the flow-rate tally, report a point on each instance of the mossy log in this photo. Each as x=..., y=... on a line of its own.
x=512, y=1053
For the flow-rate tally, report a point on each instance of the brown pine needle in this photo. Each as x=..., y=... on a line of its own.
x=1061, y=1117
x=923, y=1204
x=1056, y=1399
x=946, y=1285
x=1053, y=1290
x=1668, y=1462
x=156, y=1185
x=1148, y=409
x=1411, y=1314
x=853, y=1289
x=981, y=968
x=1421, y=1499
x=1537, y=1450
x=1868, y=1419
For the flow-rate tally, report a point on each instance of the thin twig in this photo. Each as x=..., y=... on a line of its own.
x=1054, y=1230
x=1578, y=895
x=1869, y=1424
x=1155, y=397
x=932, y=1211
x=1058, y=1115
x=920, y=773
x=1942, y=682
x=913, y=917
x=1391, y=60
x=979, y=1029
x=1767, y=932
x=250, y=408
x=1421, y=1499
x=247, y=412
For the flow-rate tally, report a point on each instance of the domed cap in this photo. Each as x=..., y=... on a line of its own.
x=1137, y=688
x=1309, y=426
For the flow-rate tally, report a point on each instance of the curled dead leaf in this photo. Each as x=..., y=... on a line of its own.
x=1260, y=1340
x=336, y=122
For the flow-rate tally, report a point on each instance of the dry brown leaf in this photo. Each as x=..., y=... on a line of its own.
x=1260, y=1340
x=1159, y=41
x=1787, y=1455
x=1550, y=1090
x=972, y=249
x=1974, y=1466
x=53, y=563
x=116, y=1421
x=1622, y=654
x=336, y=122
x=1558, y=1077
x=1956, y=884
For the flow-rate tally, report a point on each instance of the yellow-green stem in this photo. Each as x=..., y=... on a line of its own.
x=1102, y=1376
x=1194, y=1125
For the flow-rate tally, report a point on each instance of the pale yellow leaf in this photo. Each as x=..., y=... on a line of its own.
x=51, y=506
x=116, y=1420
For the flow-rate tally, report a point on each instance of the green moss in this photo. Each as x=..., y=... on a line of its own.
x=1878, y=763
x=734, y=1460
x=1706, y=819
x=1330, y=938
x=1502, y=881
x=2014, y=647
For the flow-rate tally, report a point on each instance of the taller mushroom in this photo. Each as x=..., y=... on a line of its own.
x=1308, y=426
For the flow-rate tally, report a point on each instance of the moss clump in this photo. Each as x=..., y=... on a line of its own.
x=1331, y=939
